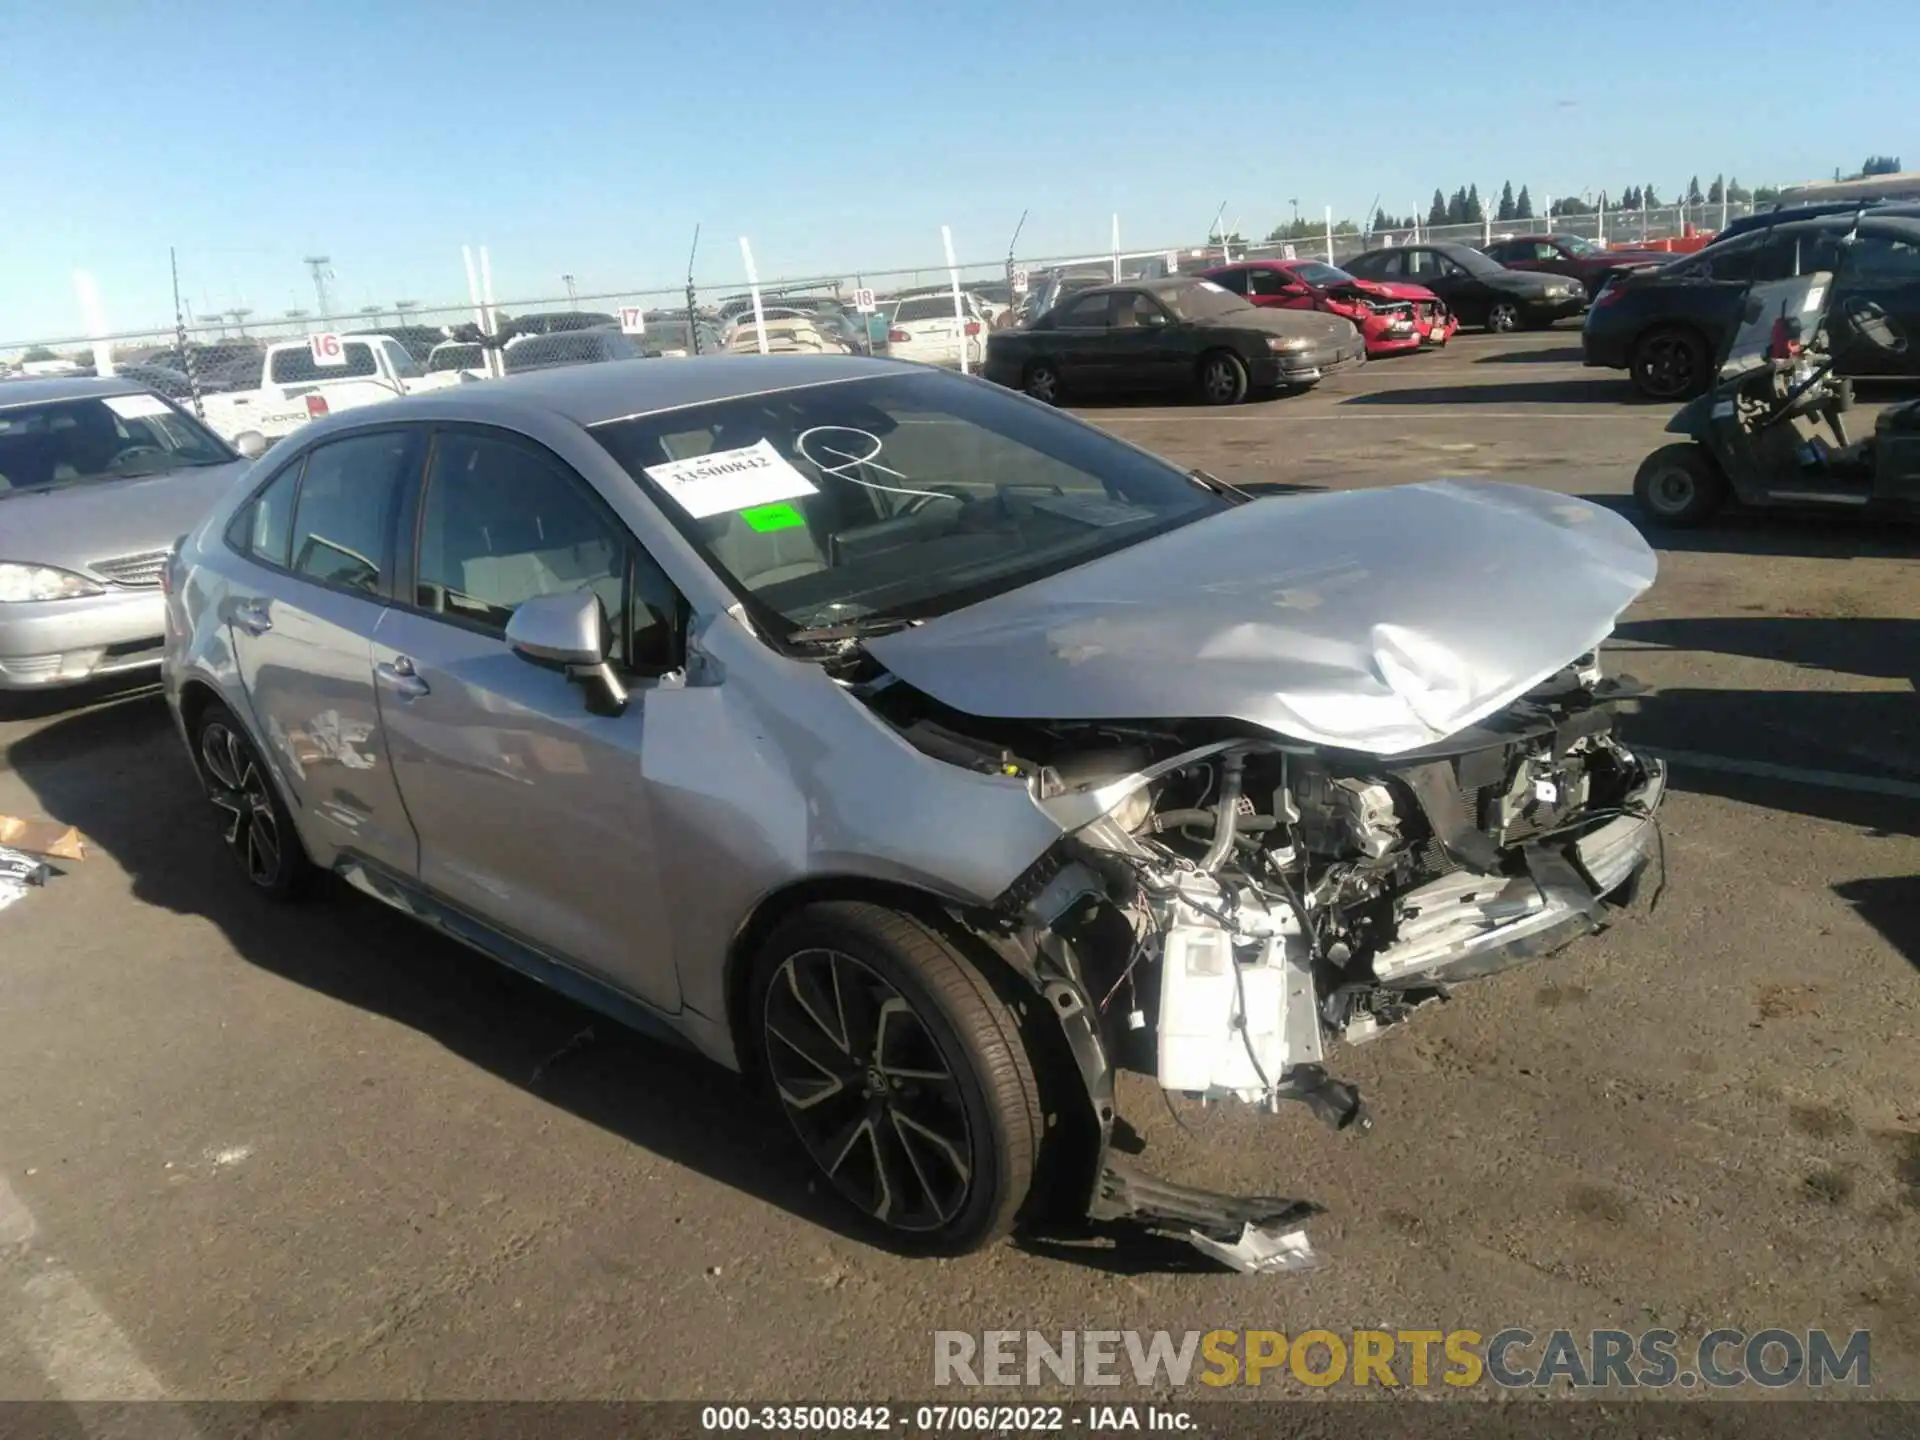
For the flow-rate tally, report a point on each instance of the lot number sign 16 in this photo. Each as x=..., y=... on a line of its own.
x=326, y=348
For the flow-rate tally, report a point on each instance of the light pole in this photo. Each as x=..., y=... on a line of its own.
x=573, y=297
x=403, y=308
x=239, y=318
x=299, y=317
x=1294, y=201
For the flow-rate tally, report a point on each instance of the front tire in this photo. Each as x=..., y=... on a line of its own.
x=253, y=819
x=1223, y=378
x=1503, y=317
x=901, y=1072
x=1679, y=486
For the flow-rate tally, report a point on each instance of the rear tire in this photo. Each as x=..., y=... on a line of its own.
x=1042, y=382
x=1669, y=363
x=1679, y=486
x=254, y=821
x=1223, y=378
x=901, y=1072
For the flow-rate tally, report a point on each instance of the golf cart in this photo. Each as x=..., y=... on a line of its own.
x=1772, y=431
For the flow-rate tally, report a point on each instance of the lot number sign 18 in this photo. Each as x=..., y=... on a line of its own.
x=326, y=348
x=863, y=301
x=633, y=320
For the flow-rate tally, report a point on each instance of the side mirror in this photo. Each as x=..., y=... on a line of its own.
x=568, y=631
x=251, y=444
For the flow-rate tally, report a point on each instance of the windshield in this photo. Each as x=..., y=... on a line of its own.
x=666, y=335
x=1576, y=245
x=1314, y=273
x=114, y=437
x=1202, y=300
x=898, y=496
x=1468, y=259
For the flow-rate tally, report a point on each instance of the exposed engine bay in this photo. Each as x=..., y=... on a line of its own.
x=1229, y=907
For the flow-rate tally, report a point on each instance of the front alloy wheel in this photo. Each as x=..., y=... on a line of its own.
x=1043, y=384
x=1504, y=317
x=901, y=1073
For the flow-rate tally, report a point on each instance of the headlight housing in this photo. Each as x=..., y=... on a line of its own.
x=20, y=583
x=1286, y=344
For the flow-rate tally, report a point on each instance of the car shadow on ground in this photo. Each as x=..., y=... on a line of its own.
x=119, y=773
x=1891, y=904
x=1558, y=355
x=1737, y=530
x=1539, y=392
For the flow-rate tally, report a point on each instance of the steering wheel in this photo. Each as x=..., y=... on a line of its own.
x=939, y=492
x=135, y=452
x=1873, y=325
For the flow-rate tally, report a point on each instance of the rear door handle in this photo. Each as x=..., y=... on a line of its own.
x=251, y=616
x=398, y=675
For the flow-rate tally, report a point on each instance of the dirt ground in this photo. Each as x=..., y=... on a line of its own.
x=255, y=1154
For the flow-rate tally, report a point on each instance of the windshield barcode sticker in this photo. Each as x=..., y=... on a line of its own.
x=728, y=480
x=135, y=407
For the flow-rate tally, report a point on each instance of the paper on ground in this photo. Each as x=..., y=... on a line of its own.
x=727, y=480
x=43, y=837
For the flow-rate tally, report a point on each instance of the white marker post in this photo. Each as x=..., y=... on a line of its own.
x=95, y=316
x=753, y=289
x=1329, y=234
x=959, y=310
x=1600, y=224
x=497, y=364
x=473, y=295
x=1116, y=249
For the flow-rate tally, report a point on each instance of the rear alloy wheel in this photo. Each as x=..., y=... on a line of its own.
x=1503, y=317
x=1223, y=379
x=1669, y=364
x=253, y=821
x=1043, y=383
x=1679, y=486
x=901, y=1072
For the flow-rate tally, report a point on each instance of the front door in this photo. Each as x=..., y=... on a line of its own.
x=1084, y=327
x=1877, y=275
x=1145, y=345
x=302, y=617
x=532, y=810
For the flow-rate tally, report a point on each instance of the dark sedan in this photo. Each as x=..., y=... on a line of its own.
x=1479, y=290
x=1169, y=336
x=1573, y=256
x=1665, y=327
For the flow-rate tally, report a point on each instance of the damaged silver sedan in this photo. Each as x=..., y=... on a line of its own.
x=923, y=752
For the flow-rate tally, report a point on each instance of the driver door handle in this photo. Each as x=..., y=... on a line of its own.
x=398, y=675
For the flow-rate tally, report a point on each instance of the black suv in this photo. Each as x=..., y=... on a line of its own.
x=1665, y=327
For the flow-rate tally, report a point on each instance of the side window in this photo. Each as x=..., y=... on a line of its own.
x=294, y=366
x=1876, y=258
x=1542, y=250
x=1733, y=262
x=405, y=367
x=1133, y=310
x=1090, y=311
x=503, y=521
x=345, y=510
x=1443, y=266
x=1265, y=282
x=1235, y=280
x=262, y=529
x=1778, y=259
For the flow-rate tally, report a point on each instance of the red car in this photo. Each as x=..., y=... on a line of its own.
x=1573, y=256
x=1393, y=318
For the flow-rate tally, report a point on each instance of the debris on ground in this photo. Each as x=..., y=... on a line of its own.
x=42, y=837
x=18, y=871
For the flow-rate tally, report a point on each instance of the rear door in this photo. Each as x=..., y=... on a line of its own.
x=317, y=542
x=533, y=811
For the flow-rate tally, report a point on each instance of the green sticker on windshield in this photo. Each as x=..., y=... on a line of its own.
x=763, y=518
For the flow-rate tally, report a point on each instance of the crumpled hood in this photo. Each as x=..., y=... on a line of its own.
x=1387, y=289
x=103, y=519
x=1372, y=620
x=1315, y=326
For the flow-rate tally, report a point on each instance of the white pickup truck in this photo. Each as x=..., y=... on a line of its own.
x=302, y=380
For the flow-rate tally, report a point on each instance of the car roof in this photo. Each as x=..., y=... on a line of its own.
x=42, y=390
x=591, y=395
x=1828, y=210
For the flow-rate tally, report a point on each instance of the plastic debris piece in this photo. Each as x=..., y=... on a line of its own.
x=1261, y=1250
x=18, y=871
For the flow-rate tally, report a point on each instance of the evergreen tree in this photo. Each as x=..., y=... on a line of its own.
x=1504, y=211
x=1476, y=213
x=1694, y=197
x=1523, y=207
x=1648, y=198
x=1437, y=212
x=1737, y=192
x=1880, y=165
x=1457, y=207
x=1717, y=191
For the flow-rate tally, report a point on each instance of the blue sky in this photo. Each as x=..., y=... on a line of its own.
x=588, y=136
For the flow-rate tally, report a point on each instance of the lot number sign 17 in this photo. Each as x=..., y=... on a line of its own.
x=633, y=320
x=326, y=348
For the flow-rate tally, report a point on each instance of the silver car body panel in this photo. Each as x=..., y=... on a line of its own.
x=1371, y=620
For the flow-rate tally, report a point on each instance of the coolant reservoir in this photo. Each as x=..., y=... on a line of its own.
x=1201, y=1042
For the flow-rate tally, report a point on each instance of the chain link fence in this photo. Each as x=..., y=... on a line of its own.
x=229, y=354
